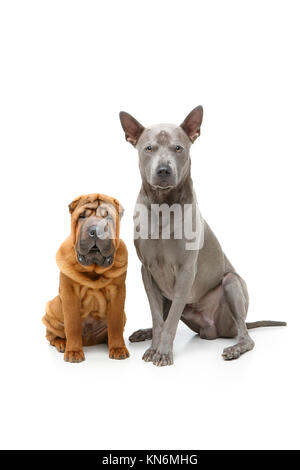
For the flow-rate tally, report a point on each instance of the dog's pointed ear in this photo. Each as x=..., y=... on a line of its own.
x=132, y=128
x=192, y=123
x=72, y=206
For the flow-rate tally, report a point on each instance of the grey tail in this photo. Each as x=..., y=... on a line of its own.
x=258, y=324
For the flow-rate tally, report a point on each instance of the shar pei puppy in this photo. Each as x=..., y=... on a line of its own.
x=89, y=308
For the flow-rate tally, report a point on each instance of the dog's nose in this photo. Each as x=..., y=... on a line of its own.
x=92, y=231
x=164, y=171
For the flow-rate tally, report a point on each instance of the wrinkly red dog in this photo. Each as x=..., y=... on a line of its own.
x=93, y=264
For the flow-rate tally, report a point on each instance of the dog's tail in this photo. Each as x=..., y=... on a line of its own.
x=259, y=324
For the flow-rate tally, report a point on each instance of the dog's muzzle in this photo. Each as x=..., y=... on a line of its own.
x=95, y=245
x=95, y=257
x=164, y=177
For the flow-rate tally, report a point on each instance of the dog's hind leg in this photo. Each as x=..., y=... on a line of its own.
x=144, y=334
x=53, y=320
x=141, y=335
x=59, y=343
x=236, y=296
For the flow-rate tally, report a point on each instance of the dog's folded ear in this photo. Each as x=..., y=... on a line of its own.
x=132, y=128
x=119, y=208
x=72, y=206
x=192, y=123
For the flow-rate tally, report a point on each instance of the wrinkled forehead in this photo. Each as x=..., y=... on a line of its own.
x=106, y=208
x=98, y=208
x=163, y=134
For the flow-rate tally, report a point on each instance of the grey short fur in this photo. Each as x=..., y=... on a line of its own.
x=200, y=287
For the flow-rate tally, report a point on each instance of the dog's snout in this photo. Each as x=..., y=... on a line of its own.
x=164, y=171
x=92, y=231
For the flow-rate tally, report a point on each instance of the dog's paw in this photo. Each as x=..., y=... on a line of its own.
x=149, y=354
x=141, y=335
x=161, y=359
x=234, y=352
x=74, y=356
x=59, y=343
x=118, y=353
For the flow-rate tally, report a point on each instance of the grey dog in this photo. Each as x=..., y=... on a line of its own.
x=198, y=286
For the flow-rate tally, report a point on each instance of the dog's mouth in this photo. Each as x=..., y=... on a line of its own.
x=163, y=183
x=162, y=186
x=94, y=256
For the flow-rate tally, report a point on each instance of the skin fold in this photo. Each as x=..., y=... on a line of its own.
x=198, y=286
x=89, y=308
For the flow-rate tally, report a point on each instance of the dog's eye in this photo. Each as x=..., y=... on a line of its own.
x=178, y=148
x=82, y=215
x=148, y=148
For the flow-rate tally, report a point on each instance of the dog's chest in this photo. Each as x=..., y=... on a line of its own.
x=162, y=258
x=91, y=301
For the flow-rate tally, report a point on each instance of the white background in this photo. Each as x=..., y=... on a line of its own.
x=67, y=69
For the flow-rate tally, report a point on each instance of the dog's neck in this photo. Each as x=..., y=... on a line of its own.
x=180, y=194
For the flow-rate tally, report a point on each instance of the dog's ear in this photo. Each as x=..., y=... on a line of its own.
x=119, y=207
x=131, y=127
x=72, y=206
x=121, y=211
x=191, y=124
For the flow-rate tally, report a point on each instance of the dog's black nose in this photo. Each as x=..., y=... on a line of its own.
x=92, y=231
x=164, y=171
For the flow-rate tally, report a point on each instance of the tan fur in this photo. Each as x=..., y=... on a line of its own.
x=90, y=306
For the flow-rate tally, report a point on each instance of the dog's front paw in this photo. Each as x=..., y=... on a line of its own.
x=74, y=356
x=118, y=353
x=149, y=354
x=161, y=359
